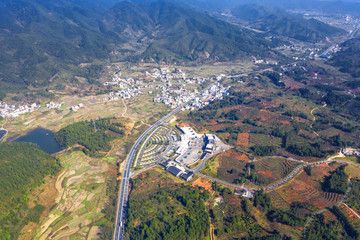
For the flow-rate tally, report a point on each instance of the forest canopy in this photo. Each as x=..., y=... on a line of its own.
x=23, y=167
x=93, y=135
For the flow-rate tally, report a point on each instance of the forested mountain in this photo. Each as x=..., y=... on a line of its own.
x=348, y=58
x=327, y=6
x=23, y=167
x=174, y=32
x=282, y=23
x=40, y=39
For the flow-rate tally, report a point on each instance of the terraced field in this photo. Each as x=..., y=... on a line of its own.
x=303, y=189
x=277, y=201
x=271, y=170
x=81, y=186
x=355, y=220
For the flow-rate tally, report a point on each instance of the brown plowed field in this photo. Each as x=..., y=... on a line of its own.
x=202, y=182
x=232, y=153
x=243, y=139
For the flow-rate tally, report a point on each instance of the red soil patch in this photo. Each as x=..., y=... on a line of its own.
x=285, y=122
x=243, y=139
x=181, y=125
x=227, y=135
x=212, y=122
x=201, y=182
x=266, y=173
x=319, y=171
x=292, y=84
x=226, y=110
x=329, y=216
x=270, y=104
x=232, y=153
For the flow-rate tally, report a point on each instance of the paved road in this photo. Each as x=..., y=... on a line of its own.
x=124, y=189
x=285, y=180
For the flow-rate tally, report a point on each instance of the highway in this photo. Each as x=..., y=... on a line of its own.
x=124, y=188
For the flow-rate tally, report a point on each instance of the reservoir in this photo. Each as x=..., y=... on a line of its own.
x=43, y=138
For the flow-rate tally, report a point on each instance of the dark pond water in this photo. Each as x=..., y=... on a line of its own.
x=42, y=137
x=2, y=134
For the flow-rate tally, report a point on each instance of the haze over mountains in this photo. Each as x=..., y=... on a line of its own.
x=43, y=42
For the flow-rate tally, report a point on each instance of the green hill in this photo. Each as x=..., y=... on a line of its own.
x=41, y=38
x=174, y=32
x=23, y=167
x=348, y=58
x=280, y=22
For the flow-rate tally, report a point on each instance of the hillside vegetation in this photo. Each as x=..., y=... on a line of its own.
x=348, y=58
x=175, y=32
x=94, y=136
x=43, y=43
x=159, y=208
x=39, y=39
x=23, y=167
x=279, y=22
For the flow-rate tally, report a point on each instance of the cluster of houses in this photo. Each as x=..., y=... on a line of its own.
x=165, y=73
x=351, y=151
x=174, y=97
x=11, y=110
x=124, y=94
x=76, y=107
x=52, y=105
x=194, y=80
x=177, y=170
x=262, y=61
x=215, y=92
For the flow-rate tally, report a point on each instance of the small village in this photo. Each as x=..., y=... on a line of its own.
x=13, y=111
x=170, y=87
x=165, y=89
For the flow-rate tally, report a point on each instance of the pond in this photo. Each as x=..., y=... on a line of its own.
x=2, y=134
x=43, y=138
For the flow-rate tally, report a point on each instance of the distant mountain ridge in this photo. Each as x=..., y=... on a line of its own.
x=41, y=38
x=279, y=22
x=177, y=33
